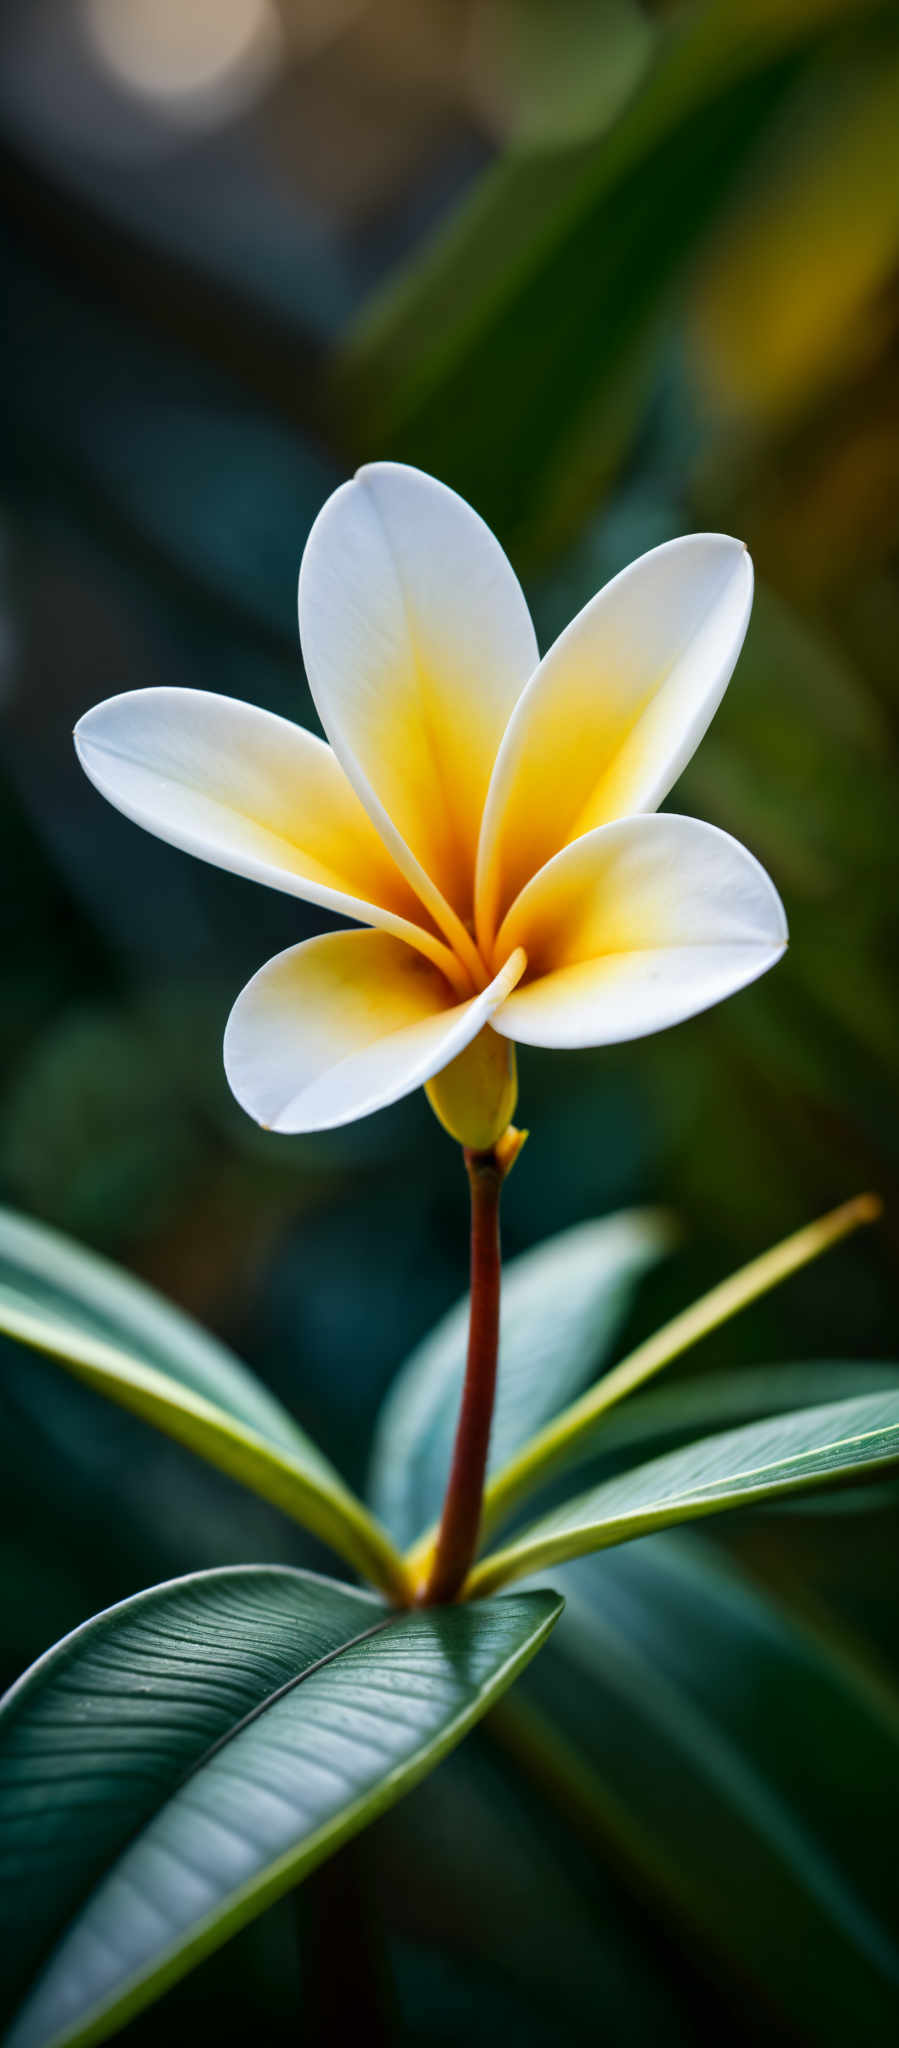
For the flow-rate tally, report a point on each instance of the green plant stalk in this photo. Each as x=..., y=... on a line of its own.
x=459, y=1533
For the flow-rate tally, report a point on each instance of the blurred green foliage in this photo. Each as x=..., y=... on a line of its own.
x=628, y=279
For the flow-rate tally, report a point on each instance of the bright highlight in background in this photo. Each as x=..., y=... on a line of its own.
x=211, y=57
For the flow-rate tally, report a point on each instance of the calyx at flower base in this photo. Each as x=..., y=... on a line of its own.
x=475, y=1096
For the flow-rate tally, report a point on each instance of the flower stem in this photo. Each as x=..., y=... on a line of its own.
x=461, y=1519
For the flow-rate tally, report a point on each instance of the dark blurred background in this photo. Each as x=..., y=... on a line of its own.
x=615, y=272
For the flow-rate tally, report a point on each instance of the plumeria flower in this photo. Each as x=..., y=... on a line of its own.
x=490, y=817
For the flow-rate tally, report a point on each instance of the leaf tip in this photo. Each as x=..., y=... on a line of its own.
x=866, y=1208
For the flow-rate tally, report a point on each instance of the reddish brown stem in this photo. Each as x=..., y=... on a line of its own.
x=460, y=1523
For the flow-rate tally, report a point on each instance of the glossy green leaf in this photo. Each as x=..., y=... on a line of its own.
x=762, y=1461
x=676, y=1413
x=745, y=1768
x=563, y=1305
x=181, y=1760
x=65, y=1280
x=63, y=1301
x=556, y=1951
x=569, y=1437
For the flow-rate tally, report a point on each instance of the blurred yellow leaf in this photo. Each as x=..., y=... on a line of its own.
x=791, y=290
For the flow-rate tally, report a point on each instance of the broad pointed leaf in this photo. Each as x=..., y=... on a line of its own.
x=183, y=1759
x=743, y=1766
x=569, y=1437
x=64, y=1280
x=563, y=1305
x=127, y=1344
x=762, y=1461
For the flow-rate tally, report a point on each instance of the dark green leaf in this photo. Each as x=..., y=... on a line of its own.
x=79, y=1310
x=764, y=1460
x=746, y=1769
x=183, y=1759
x=676, y=1412
x=560, y=1950
x=76, y=1286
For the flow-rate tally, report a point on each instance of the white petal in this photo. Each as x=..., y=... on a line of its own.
x=251, y=793
x=637, y=926
x=615, y=710
x=343, y=1025
x=417, y=643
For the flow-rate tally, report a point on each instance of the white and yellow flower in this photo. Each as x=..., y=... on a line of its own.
x=493, y=818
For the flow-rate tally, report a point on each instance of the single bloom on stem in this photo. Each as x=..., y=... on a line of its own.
x=490, y=816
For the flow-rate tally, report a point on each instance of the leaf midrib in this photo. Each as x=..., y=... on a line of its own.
x=549, y=1541
x=128, y=2000
x=289, y=1685
x=734, y=1479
